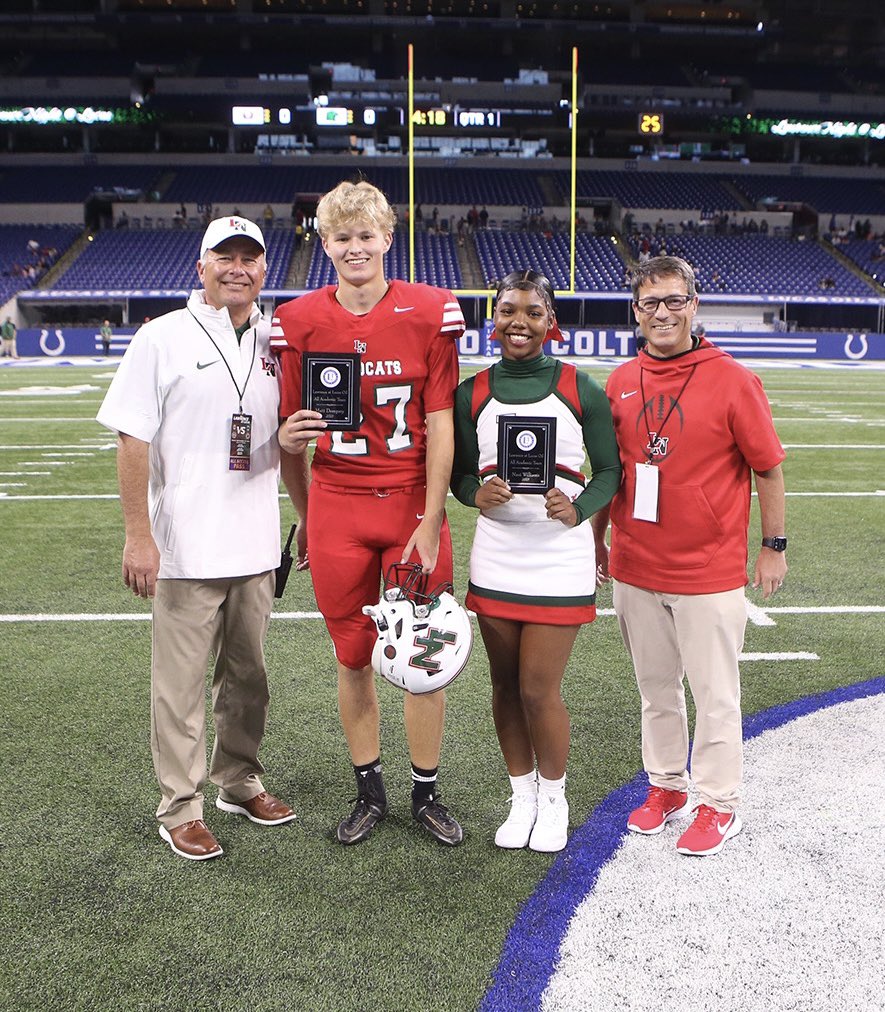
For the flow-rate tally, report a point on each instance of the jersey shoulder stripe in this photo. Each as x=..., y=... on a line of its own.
x=567, y=387
x=482, y=392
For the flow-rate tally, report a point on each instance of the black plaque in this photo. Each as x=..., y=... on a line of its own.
x=330, y=384
x=527, y=453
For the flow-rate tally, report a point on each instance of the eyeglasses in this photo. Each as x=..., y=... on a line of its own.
x=673, y=302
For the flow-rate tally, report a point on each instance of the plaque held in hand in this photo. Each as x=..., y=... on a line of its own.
x=330, y=384
x=527, y=453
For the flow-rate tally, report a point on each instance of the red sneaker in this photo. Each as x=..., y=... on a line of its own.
x=709, y=831
x=660, y=807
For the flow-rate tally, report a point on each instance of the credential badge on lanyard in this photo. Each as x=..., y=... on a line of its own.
x=240, y=442
x=240, y=458
x=645, y=496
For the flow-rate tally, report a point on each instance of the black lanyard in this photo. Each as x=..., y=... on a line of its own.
x=652, y=444
x=240, y=393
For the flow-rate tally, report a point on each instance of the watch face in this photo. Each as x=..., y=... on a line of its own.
x=778, y=544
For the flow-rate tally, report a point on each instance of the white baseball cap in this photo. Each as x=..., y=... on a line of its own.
x=227, y=228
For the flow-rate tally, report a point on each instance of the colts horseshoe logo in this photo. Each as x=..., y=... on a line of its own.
x=862, y=338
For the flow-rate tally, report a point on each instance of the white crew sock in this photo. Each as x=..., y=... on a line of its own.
x=526, y=784
x=551, y=788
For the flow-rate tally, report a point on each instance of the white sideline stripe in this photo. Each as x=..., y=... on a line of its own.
x=796, y=656
x=834, y=446
x=18, y=474
x=61, y=446
x=138, y=616
x=142, y=616
x=283, y=495
x=851, y=609
x=31, y=498
x=757, y=615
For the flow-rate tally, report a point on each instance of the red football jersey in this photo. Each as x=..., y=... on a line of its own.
x=409, y=368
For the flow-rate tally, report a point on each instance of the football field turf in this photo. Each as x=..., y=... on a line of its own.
x=96, y=913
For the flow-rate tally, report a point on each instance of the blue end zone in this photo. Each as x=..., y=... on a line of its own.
x=532, y=946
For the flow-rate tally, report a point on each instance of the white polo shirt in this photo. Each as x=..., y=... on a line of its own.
x=177, y=390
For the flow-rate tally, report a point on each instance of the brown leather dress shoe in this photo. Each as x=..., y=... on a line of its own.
x=192, y=840
x=264, y=809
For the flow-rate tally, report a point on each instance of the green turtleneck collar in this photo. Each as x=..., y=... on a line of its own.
x=527, y=366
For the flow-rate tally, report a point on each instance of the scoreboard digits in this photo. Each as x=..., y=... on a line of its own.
x=651, y=124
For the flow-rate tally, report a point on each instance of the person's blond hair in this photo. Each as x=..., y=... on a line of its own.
x=352, y=204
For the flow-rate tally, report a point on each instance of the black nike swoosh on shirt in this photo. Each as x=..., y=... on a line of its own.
x=205, y=365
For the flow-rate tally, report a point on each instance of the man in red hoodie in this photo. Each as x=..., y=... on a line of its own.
x=692, y=424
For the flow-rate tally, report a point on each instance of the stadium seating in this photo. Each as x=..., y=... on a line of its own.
x=72, y=184
x=866, y=254
x=861, y=197
x=677, y=190
x=159, y=259
x=765, y=265
x=283, y=183
x=14, y=251
x=599, y=268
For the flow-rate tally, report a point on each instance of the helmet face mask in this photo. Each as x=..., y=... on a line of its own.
x=424, y=639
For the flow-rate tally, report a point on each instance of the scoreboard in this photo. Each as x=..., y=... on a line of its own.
x=429, y=118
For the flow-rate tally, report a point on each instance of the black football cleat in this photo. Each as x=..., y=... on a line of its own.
x=366, y=814
x=435, y=818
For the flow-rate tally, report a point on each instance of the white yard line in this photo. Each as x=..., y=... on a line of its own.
x=32, y=498
x=757, y=615
x=849, y=609
x=282, y=495
x=795, y=656
x=300, y=615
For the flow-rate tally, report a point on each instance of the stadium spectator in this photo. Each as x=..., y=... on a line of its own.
x=7, y=339
x=532, y=569
x=194, y=404
x=378, y=495
x=691, y=424
x=106, y=334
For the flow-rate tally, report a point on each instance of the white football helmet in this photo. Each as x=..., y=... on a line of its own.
x=424, y=640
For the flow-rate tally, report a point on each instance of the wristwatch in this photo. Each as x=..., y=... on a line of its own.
x=775, y=544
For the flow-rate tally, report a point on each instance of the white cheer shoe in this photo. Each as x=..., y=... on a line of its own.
x=550, y=832
x=515, y=832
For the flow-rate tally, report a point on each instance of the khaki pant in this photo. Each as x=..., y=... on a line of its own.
x=192, y=620
x=699, y=637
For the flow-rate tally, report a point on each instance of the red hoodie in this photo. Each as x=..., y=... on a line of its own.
x=719, y=429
